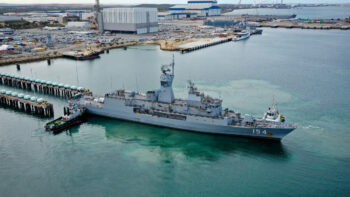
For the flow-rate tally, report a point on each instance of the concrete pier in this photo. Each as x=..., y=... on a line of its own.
x=40, y=86
x=26, y=103
x=202, y=44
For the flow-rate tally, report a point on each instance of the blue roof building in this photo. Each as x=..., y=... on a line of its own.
x=195, y=8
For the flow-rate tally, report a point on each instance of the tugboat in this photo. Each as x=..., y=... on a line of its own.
x=87, y=54
x=73, y=115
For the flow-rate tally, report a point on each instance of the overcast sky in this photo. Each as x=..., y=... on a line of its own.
x=165, y=1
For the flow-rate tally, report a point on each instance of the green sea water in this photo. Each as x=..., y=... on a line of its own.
x=307, y=71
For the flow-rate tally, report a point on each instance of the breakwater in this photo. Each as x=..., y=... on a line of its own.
x=293, y=24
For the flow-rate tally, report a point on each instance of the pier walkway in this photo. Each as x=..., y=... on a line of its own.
x=26, y=103
x=41, y=86
x=202, y=44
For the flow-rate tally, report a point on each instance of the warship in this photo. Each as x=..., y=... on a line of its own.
x=197, y=113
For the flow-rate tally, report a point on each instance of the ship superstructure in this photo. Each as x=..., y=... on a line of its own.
x=198, y=113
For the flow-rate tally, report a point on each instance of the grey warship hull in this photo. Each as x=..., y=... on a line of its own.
x=118, y=110
x=198, y=113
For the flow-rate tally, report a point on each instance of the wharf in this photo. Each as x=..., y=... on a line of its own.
x=30, y=57
x=42, y=86
x=15, y=59
x=192, y=46
x=26, y=104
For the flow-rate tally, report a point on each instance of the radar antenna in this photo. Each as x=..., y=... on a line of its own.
x=166, y=67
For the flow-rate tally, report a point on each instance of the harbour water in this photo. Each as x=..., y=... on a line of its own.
x=303, y=12
x=306, y=70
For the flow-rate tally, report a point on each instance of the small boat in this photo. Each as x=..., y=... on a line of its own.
x=73, y=116
x=245, y=34
x=87, y=56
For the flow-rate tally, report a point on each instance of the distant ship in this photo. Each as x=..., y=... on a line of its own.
x=245, y=34
x=197, y=113
x=87, y=54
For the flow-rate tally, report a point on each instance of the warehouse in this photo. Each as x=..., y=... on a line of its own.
x=195, y=8
x=130, y=20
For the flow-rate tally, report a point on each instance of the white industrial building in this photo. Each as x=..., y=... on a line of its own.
x=78, y=25
x=130, y=20
x=195, y=8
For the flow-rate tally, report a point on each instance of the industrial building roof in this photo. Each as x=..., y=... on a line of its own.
x=197, y=7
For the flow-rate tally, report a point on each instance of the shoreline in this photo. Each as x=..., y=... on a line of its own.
x=54, y=54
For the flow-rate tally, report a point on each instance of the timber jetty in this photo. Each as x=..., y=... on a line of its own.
x=41, y=86
x=26, y=103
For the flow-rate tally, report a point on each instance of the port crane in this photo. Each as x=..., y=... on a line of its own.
x=97, y=20
x=97, y=9
x=239, y=3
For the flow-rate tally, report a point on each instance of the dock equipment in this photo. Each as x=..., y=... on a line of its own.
x=41, y=86
x=26, y=103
